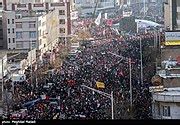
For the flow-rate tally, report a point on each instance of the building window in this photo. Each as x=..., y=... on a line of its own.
x=33, y=44
x=13, y=30
x=61, y=12
x=8, y=30
x=8, y=21
x=19, y=45
x=40, y=41
x=37, y=1
x=32, y=34
x=18, y=16
x=19, y=25
x=9, y=40
x=32, y=25
x=18, y=35
x=62, y=30
x=62, y=21
x=13, y=40
x=166, y=111
x=12, y=21
x=39, y=23
x=43, y=23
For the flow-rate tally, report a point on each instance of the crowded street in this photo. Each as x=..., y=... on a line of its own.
x=65, y=98
x=97, y=65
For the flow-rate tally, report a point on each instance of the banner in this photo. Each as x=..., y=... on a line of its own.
x=100, y=85
x=172, y=38
x=3, y=66
x=105, y=16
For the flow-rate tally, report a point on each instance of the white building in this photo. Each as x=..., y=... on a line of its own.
x=20, y=22
x=166, y=103
x=19, y=30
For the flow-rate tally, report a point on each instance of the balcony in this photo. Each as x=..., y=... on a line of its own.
x=168, y=95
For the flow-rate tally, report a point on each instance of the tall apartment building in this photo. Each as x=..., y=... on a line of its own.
x=20, y=30
x=172, y=14
x=20, y=22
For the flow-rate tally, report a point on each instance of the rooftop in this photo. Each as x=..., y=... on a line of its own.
x=167, y=95
x=171, y=91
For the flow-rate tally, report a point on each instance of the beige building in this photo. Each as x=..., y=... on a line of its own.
x=53, y=28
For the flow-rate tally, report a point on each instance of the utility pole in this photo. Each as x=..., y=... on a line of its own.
x=114, y=3
x=112, y=105
x=141, y=61
x=94, y=13
x=130, y=81
x=144, y=8
x=31, y=65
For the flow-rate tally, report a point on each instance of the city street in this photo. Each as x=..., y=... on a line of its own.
x=84, y=61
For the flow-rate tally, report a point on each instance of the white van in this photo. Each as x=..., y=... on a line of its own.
x=18, y=77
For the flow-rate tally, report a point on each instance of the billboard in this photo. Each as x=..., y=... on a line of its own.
x=3, y=66
x=172, y=38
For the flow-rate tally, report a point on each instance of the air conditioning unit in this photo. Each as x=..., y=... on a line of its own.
x=18, y=16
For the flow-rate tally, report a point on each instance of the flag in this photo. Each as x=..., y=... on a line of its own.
x=109, y=22
x=117, y=31
x=100, y=85
x=105, y=15
x=71, y=82
x=178, y=60
x=120, y=73
x=98, y=19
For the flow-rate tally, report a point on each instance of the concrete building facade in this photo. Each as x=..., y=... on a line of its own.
x=166, y=103
x=20, y=22
x=53, y=28
x=20, y=30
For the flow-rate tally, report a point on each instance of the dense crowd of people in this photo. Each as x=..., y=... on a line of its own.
x=61, y=96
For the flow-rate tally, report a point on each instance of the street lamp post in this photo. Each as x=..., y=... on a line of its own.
x=130, y=75
x=112, y=105
x=144, y=8
x=31, y=64
x=130, y=80
x=110, y=96
x=141, y=61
